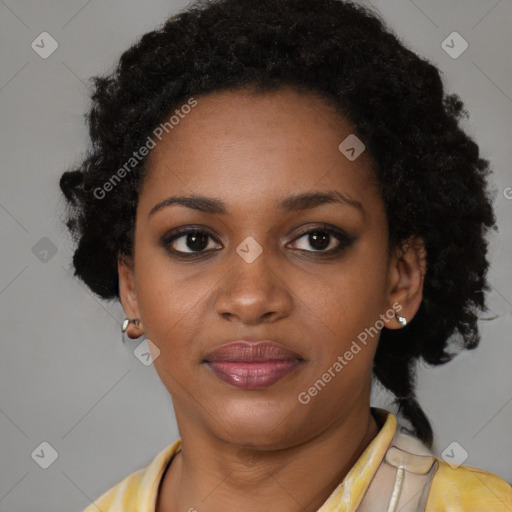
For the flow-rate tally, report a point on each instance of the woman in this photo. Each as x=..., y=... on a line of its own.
x=280, y=195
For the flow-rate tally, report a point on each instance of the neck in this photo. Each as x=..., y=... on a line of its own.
x=211, y=474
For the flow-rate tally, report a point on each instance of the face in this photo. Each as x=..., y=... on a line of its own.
x=267, y=256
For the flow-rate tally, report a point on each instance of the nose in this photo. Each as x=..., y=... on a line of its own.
x=253, y=293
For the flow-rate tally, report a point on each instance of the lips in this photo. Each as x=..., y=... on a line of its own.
x=252, y=365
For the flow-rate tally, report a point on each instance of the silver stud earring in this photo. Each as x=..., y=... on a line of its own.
x=401, y=319
x=127, y=322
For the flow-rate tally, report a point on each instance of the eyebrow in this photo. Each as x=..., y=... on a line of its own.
x=298, y=202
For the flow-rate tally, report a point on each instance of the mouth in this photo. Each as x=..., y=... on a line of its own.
x=252, y=365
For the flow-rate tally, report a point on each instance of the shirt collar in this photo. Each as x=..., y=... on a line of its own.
x=350, y=492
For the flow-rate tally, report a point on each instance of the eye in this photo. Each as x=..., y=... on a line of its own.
x=324, y=240
x=195, y=242
x=189, y=241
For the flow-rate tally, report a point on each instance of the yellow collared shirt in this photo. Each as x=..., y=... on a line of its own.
x=394, y=473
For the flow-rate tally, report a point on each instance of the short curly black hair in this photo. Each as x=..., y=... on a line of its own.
x=432, y=179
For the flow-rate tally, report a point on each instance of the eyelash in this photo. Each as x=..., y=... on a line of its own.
x=343, y=238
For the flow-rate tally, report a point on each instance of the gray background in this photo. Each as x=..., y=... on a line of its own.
x=66, y=378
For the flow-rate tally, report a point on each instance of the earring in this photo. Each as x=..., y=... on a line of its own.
x=401, y=319
x=127, y=322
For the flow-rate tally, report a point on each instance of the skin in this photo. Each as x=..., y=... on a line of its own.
x=264, y=450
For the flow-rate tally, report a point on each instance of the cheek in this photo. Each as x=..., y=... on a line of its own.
x=163, y=293
x=341, y=315
x=343, y=301
x=168, y=303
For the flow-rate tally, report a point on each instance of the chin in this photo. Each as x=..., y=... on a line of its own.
x=261, y=423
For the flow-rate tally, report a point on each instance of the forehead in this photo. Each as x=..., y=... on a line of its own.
x=244, y=147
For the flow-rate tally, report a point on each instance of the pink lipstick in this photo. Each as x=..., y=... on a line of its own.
x=252, y=365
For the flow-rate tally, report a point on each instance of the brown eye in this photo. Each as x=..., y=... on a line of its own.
x=322, y=240
x=190, y=241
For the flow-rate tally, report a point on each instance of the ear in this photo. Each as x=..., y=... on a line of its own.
x=128, y=295
x=407, y=269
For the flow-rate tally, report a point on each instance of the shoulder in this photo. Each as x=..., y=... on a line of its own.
x=453, y=488
x=122, y=496
x=468, y=489
x=138, y=491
